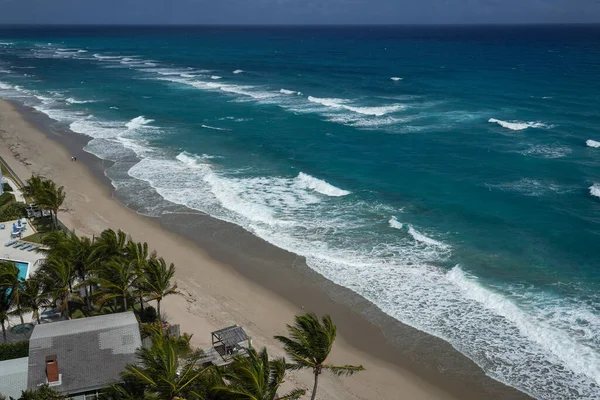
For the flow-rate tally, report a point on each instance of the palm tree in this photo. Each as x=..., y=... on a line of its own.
x=9, y=280
x=51, y=197
x=33, y=186
x=34, y=297
x=309, y=345
x=110, y=244
x=115, y=280
x=138, y=256
x=57, y=275
x=255, y=378
x=156, y=281
x=163, y=374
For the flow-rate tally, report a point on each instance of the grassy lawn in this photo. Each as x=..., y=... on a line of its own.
x=35, y=238
x=43, y=227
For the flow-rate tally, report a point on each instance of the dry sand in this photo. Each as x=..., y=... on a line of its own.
x=215, y=295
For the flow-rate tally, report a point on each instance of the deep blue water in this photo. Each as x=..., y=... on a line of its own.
x=451, y=175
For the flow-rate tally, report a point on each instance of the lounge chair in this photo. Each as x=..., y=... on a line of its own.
x=10, y=243
x=26, y=246
x=19, y=244
x=2, y=226
x=33, y=247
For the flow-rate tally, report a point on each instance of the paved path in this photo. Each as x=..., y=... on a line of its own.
x=16, y=191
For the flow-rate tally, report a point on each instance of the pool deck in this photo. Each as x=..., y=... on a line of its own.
x=10, y=253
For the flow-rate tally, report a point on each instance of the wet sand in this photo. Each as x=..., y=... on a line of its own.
x=229, y=276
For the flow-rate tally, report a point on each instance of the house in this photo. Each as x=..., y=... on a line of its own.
x=79, y=357
x=13, y=377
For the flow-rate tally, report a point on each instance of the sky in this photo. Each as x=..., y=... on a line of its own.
x=298, y=11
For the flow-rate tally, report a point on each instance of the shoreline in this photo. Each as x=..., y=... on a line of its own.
x=229, y=275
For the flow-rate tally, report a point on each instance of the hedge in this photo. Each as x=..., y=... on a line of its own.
x=5, y=198
x=9, y=351
x=7, y=187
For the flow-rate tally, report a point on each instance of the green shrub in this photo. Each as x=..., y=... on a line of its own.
x=5, y=198
x=13, y=211
x=7, y=187
x=9, y=351
x=149, y=315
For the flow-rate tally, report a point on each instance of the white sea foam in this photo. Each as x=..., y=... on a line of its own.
x=328, y=102
x=547, y=151
x=213, y=127
x=419, y=237
x=592, y=143
x=396, y=79
x=530, y=187
x=519, y=125
x=376, y=111
x=595, y=189
x=215, y=77
x=6, y=43
x=138, y=122
x=71, y=100
x=101, y=57
x=238, y=71
x=320, y=186
x=6, y=86
x=578, y=358
x=285, y=91
x=113, y=107
x=394, y=223
x=396, y=273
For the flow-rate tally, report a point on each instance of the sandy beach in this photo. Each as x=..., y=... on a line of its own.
x=227, y=276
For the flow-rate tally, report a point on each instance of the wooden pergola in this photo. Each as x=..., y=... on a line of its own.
x=228, y=342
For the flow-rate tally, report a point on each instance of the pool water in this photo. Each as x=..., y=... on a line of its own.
x=22, y=266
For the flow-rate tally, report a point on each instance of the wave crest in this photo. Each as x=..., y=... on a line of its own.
x=519, y=125
x=320, y=186
x=592, y=143
x=138, y=122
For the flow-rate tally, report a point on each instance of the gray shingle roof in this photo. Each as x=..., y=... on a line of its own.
x=231, y=336
x=13, y=377
x=90, y=352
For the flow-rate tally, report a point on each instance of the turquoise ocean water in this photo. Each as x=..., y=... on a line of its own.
x=449, y=175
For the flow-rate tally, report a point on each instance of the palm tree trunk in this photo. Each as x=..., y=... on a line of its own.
x=314, y=392
x=125, y=303
x=158, y=310
x=66, y=300
x=36, y=314
x=19, y=311
x=4, y=331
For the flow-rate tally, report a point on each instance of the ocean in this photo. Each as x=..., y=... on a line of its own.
x=449, y=175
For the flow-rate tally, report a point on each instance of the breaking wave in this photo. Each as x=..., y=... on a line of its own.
x=595, y=189
x=519, y=125
x=138, y=122
x=592, y=143
x=320, y=186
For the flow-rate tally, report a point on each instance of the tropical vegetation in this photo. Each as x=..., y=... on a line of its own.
x=46, y=194
x=309, y=344
x=82, y=276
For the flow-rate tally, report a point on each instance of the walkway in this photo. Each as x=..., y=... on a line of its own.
x=15, y=190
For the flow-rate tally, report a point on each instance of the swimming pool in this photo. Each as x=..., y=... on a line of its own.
x=23, y=267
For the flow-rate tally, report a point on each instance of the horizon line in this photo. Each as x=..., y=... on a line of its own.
x=251, y=25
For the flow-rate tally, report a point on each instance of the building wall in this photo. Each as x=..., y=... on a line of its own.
x=1, y=183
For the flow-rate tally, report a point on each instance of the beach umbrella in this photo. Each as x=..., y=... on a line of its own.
x=14, y=227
